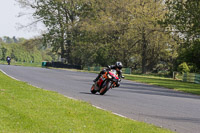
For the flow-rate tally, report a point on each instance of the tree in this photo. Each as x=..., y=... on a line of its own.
x=1, y=40
x=15, y=39
x=61, y=19
x=182, y=20
x=153, y=40
x=25, y=51
x=3, y=53
x=91, y=32
x=129, y=29
x=7, y=39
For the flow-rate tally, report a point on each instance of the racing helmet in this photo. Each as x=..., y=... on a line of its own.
x=119, y=65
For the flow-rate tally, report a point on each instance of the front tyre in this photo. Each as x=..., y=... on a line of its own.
x=92, y=90
x=105, y=88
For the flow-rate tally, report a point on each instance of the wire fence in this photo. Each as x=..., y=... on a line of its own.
x=97, y=69
x=187, y=77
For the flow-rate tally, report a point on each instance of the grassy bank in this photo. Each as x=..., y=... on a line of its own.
x=167, y=83
x=24, y=108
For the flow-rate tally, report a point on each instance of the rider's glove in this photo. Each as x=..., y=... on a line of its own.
x=109, y=67
x=118, y=84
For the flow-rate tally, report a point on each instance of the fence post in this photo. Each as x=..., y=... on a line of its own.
x=174, y=75
x=177, y=75
x=44, y=64
x=97, y=68
x=191, y=77
x=88, y=68
x=197, y=78
x=127, y=70
x=185, y=77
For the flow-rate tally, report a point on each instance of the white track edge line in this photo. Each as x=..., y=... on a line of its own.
x=8, y=75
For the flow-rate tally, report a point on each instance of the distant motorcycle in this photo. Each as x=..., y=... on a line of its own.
x=107, y=81
x=8, y=60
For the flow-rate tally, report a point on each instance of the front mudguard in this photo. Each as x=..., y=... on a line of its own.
x=93, y=90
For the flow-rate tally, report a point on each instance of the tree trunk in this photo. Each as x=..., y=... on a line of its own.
x=62, y=45
x=144, y=52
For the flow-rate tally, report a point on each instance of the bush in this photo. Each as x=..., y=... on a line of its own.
x=183, y=68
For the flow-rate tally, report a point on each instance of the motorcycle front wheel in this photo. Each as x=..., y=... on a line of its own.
x=93, y=91
x=105, y=88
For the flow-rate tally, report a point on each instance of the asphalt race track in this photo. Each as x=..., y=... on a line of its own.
x=165, y=108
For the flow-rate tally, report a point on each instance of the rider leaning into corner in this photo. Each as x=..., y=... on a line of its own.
x=118, y=66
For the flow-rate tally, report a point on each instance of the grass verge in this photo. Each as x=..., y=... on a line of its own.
x=167, y=83
x=24, y=108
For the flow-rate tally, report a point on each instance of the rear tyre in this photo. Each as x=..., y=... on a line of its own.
x=93, y=91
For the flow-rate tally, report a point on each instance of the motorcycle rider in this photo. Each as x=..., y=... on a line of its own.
x=8, y=59
x=118, y=66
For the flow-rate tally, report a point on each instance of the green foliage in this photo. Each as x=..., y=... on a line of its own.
x=19, y=53
x=61, y=20
x=183, y=68
x=183, y=17
x=7, y=39
x=191, y=56
x=129, y=30
x=182, y=20
x=90, y=32
x=25, y=51
x=3, y=52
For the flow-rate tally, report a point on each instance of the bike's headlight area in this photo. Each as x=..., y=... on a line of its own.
x=110, y=77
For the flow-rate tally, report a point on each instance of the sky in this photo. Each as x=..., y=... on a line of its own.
x=9, y=22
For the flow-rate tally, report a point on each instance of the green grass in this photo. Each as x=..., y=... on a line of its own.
x=23, y=63
x=26, y=109
x=167, y=83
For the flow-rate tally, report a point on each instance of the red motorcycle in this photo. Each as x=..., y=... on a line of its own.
x=107, y=81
